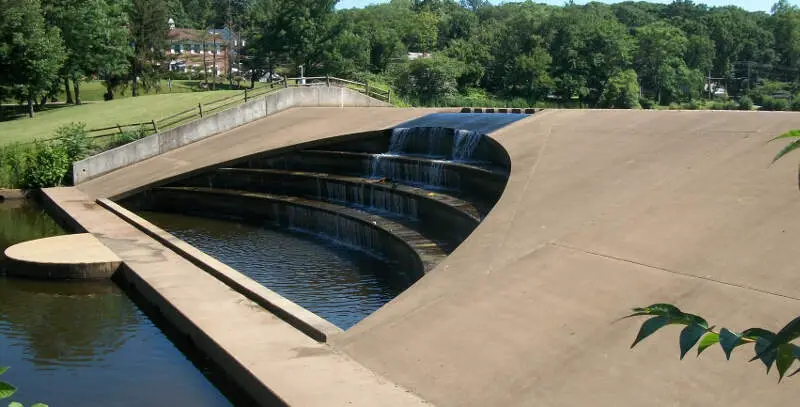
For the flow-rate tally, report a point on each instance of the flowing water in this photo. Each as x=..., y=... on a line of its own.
x=336, y=282
x=77, y=343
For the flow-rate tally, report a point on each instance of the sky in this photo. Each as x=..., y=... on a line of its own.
x=753, y=5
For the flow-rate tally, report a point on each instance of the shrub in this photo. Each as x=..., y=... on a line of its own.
x=647, y=103
x=693, y=105
x=129, y=136
x=795, y=105
x=773, y=104
x=74, y=139
x=46, y=165
x=745, y=103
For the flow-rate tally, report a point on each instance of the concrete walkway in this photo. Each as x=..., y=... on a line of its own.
x=284, y=129
x=259, y=351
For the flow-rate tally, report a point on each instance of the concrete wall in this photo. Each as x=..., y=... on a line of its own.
x=317, y=96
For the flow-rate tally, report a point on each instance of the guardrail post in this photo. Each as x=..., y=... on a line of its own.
x=200, y=106
x=245, y=95
x=328, y=80
x=155, y=127
x=285, y=83
x=119, y=128
x=366, y=87
x=389, y=96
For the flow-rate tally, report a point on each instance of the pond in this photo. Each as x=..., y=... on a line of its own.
x=77, y=343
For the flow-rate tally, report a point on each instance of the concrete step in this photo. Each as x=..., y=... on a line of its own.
x=391, y=238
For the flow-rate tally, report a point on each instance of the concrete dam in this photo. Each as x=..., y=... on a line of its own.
x=490, y=254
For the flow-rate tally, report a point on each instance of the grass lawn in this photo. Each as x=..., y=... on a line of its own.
x=105, y=114
x=92, y=91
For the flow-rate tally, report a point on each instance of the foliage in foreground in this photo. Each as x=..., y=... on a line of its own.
x=769, y=347
x=7, y=390
x=44, y=164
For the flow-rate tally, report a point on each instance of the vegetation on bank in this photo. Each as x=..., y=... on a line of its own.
x=104, y=114
x=432, y=52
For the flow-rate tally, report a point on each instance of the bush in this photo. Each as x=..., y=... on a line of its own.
x=44, y=165
x=74, y=138
x=129, y=137
x=745, y=103
x=693, y=105
x=795, y=105
x=647, y=103
x=773, y=104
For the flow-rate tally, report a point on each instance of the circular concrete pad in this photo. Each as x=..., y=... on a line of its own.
x=68, y=257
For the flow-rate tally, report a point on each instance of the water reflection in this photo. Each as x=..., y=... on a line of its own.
x=340, y=284
x=80, y=343
x=65, y=324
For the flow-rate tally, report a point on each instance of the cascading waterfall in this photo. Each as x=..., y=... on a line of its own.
x=431, y=173
x=399, y=140
x=465, y=143
x=374, y=198
x=332, y=226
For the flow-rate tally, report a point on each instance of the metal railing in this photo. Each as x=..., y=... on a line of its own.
x=361, y=87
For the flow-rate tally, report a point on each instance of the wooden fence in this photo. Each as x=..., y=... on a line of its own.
x=144, y=129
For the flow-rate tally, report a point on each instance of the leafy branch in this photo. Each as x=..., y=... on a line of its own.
x=769, y=347
x=7, y=390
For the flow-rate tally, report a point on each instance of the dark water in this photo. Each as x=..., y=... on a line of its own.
x=71, y=344
x=340, y=284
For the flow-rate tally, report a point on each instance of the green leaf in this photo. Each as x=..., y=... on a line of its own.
x=3, y=369
x=651, y=326
x=785, y=359
x=689, y=337
x=6, y=390
x=15, y=404
x=729, y=340
x=708, y=340
x=794, y=145
x=788, y=134
x=767, y=358
x=689, y=319
x=39, y=405
x=787, y=334
x=658, y=309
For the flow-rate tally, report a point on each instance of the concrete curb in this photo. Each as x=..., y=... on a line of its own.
x=302, y=319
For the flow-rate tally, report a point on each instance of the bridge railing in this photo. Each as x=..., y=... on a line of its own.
x=361, y=87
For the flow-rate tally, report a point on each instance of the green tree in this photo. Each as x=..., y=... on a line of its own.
x=660, y=57
x=95, y=38
x=149, y=31
x=622, y=91
x=428, y=80
x=298, y=33
x=31, y=54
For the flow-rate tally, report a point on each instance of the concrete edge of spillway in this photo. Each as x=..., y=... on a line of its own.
x=259, y=351
x=306, y=321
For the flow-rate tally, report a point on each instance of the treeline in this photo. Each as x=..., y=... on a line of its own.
x=622, y=55
x=593, y=55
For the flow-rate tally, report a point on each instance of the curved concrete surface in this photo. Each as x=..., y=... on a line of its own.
x=603, y=211
x=67, y=257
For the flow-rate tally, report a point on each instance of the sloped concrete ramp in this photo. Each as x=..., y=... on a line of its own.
x=604, y=211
